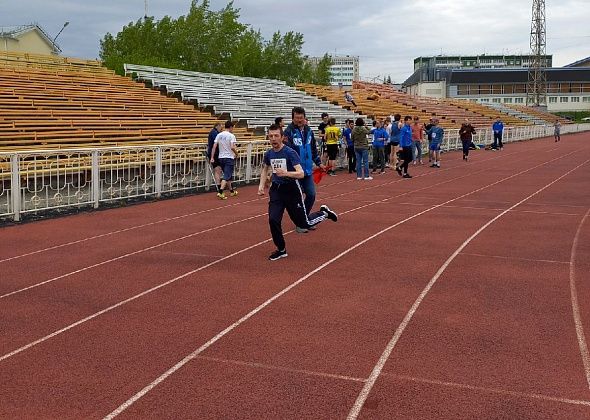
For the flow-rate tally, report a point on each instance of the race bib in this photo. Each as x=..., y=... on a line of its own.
x=278, y=164
x=433, y=136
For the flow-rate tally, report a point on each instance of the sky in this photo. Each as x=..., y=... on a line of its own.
x=386, y=34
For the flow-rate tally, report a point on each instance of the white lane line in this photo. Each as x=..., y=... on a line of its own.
x=259, y=308
x=547, y=213
x=218, y=227
x=575, y=305
x=372, y=186
x=513, y=258
x=90, y=317
x=120, y=257
x=490, y=390
x=281, y=369
x=131, y=299
x=363, y=395
x=115, y=232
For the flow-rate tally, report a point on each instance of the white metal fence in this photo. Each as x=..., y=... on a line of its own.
x=33, y=182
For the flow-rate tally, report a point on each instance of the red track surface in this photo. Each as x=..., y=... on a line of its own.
x=428, y=299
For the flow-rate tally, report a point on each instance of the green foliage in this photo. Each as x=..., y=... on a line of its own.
x=212, y=41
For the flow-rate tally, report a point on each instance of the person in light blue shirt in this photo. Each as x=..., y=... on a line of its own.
x=498, y=129
x=437, y=135
x=405, y=148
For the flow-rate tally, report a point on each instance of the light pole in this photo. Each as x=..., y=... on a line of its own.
x=60, y=31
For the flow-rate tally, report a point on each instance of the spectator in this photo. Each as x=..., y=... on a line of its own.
x=349, y=98
x=333, y=135
x=498, y=129
x=427, y=128
x=557, y=130
x=437, y=135
x=379, y=137
x=322, y=135
x=405, y=148
x=396, y=126
x=279, y=121
x=361, y=149
x=466, y=133
x=347, y=134
x=417, y=138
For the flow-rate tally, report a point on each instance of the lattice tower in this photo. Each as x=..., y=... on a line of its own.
x=537, y=75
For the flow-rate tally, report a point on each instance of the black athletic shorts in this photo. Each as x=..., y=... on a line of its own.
x=332, y=150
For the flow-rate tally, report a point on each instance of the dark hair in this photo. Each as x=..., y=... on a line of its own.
x=332, y=121
x=397, y=117
x=278, y=120
x=217, y=124
x=297, y=110
x=359, y=122
x=324, y=114
x=407, y=118
x=274, y=127
x=348, y=121
x=229, y=124
x=374, y=123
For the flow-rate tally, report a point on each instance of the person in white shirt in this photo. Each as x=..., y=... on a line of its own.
x=226, y=142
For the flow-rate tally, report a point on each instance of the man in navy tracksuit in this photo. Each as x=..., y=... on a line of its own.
x=285, y=192
x=405, y=144
x=498, y=128
x=300, y=138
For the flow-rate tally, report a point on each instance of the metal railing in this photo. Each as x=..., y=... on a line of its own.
x=34, y=182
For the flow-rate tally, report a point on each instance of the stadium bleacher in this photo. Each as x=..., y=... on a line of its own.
x=50, y=102
x=257, y=101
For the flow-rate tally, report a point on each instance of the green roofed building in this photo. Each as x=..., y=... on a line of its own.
x=482, y=61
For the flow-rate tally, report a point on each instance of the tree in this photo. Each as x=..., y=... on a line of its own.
x=211, y=41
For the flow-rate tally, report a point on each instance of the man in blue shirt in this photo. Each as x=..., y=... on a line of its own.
x=347, y=134
x=379, y=138
x=498, y=128
x=436, y=134
x=405, y=148
x=285, y=192
x=299, y=137
x=210, y=141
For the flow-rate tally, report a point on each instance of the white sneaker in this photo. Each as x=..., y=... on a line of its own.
x=359, y=179
x=369, y=178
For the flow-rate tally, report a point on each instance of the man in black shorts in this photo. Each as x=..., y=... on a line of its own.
x=211, y=140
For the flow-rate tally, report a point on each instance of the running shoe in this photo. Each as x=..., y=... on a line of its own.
x=277, y=255
x=407, y=176
x=398, y=170
x=221, y=196
x=329, y=213
x=233, y=193
x=300, y=230
x=369, y=178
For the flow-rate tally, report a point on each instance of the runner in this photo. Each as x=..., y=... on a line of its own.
x=436, y=134
x=285, y=192
x=405, y=148
x=332, y=135
x=226, y=143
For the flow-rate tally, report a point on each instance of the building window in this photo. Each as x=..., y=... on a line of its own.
x=521, y=100
x=496, y=100
x=552, y=99
x=564, y=99
x=575, y=99
x=586, y=99
x=507, y=100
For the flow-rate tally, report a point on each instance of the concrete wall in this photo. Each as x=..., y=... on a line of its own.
x=430, y=89
x=30, y=42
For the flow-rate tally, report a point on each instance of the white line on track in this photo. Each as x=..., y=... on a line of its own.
x=131, y=228
x=575, y=305
x=514, y=258
x=362, y=397
x=259, y=308
x=120, y=257
x=490, y=390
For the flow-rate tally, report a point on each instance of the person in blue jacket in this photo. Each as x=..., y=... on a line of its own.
x=299, y=137
x=347, y=134
x=379, y=137
x=498, y=128
x=405, y=148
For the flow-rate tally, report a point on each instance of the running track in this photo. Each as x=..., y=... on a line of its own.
x=462, y=293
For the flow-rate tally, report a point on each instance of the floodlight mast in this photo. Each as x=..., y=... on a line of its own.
x=536, y=92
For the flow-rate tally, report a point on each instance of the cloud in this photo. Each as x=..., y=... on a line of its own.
x=386, y=34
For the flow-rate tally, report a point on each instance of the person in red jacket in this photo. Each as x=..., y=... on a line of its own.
x=466, y=133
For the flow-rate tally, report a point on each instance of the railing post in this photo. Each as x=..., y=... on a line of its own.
x=15, y=186
x=249, y=163
x=95, y=170
x=159, y=172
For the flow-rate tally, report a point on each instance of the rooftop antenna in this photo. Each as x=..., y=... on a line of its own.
x=145, y=3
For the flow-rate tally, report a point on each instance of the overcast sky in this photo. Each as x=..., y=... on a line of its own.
x=386, y=34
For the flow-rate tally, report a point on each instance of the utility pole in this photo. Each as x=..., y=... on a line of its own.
x=145, y=9
x=537, y=75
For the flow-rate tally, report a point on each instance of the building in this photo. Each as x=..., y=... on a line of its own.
x=27, y=38
x=344, y=69
x=482, y=61
x=584, y=62
x=568, y=88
